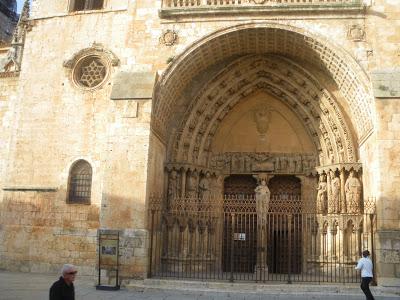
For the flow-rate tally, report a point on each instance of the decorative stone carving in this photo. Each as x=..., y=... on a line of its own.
x=337, y=144
x=173, y=186
x=334, y=203
x=90, y=72
x=262, y=203
x=90, y=67
x=205, y=187
x=356, y=33
x=191, y=184
x=96, y=49
x=169, y=37
x=262, y=118
x=322, y=195
x=241, y=162
x=15, y=53
x=353, y=191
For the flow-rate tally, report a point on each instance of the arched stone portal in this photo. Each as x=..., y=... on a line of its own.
x=259, y=100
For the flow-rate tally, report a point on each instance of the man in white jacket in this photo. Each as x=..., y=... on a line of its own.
x=365, y=265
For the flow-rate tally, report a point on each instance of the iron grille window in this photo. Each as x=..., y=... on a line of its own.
x=79, y=5
x=80, y=183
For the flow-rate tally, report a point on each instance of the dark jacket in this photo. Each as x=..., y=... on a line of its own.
x=61, y=291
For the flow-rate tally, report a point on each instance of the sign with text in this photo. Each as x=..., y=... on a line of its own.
x=108, y=250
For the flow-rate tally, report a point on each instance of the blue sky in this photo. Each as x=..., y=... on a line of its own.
x=20, y=4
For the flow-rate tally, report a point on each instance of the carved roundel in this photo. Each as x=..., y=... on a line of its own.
x=169, y=37
x=90, y=72
x=90, y=68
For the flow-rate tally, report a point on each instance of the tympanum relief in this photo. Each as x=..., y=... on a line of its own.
x=281, y=163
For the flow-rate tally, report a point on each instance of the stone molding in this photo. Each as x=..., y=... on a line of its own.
x=95, y=49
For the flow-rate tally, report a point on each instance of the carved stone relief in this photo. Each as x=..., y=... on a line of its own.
x=318, y=110
x=169, y=37
x=262, y=117
x=356, y=33
x=245, y=163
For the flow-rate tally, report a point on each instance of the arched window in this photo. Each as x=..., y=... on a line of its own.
x=80, y=183
x=79, y=5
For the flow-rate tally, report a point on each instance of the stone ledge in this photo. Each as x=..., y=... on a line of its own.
x=30, y=189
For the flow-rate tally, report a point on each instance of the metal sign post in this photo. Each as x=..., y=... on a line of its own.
x=109, y=258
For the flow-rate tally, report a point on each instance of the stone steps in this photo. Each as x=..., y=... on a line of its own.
x=272, y=290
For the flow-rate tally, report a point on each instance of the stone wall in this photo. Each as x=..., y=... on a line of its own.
x=58, y=124
x=39, y=232
x=388, y=218
x=8, y=99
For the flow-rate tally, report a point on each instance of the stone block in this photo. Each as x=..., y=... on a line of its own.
x=386, y=269
x=386, y=83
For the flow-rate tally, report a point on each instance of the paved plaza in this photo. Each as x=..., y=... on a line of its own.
x=21, y=286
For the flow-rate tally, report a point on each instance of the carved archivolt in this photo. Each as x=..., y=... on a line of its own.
x=352, y=83
x=313, y=104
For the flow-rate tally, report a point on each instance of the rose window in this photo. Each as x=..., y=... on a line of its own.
x=90, y=72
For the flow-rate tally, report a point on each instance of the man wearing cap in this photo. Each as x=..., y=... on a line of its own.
x=365, y=265
x=63, y=289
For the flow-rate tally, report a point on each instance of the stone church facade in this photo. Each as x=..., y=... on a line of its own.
x=111, y=110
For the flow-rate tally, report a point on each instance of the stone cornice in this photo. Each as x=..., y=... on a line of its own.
x=281, y=10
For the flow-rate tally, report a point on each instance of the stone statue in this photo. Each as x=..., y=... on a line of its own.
x=173, y=187
x=205, y=187
x=353, y=193
x=322, y=194
x=334, y=205
x=262, y=202
x=11, y=62
x=191, y=185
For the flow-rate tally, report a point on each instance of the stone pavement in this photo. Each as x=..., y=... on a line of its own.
x=28, y=286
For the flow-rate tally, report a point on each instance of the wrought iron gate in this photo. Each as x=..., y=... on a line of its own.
x=224, y=239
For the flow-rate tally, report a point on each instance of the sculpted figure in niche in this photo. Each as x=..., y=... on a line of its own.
x=191, y=185
x=353, y=193
x=262, y=202
x=334, y=205
x=322, y=195
x=205, y=187
x=173, y=188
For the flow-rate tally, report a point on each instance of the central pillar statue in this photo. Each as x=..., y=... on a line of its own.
x=262, y=205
